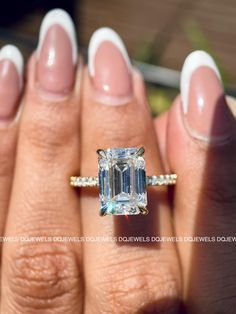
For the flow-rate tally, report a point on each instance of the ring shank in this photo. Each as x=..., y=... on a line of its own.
x=163, y=179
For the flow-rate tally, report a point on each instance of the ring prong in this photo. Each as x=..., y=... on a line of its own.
x=140, y=151
x=102, y=214
x=143, y=210
x=101, y=153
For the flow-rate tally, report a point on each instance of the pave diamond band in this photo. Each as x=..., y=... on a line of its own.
x=122, y=181
x=84, y=181
x=164, y=179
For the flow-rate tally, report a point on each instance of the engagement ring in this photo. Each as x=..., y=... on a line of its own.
x=122, y=181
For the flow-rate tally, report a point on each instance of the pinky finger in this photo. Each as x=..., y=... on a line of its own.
x=11, y=70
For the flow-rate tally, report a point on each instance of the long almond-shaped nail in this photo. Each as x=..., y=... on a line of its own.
x=11, y=72
x=109, y=67
x=206, y=113
x=56, y=53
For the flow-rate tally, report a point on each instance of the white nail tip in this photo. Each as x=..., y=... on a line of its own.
x=193, y=61
x=99, y=36
x=62, y=18
x=12, y=53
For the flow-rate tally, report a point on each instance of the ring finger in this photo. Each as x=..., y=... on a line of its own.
x=122, y=278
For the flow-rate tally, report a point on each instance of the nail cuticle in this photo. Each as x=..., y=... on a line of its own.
x=206, y=140
x=111, y=100
x=50, y=96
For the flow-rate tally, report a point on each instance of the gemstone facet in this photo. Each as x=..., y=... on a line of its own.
x=122, y=181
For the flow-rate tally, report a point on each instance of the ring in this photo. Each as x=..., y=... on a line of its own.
x=122, y=181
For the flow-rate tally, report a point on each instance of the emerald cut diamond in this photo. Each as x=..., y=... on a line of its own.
x=122, y=181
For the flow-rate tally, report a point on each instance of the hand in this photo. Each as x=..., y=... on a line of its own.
x=69, y=112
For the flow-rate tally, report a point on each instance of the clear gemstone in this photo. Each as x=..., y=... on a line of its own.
x=122, y=181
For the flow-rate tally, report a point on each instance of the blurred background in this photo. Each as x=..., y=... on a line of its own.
x=158, y=34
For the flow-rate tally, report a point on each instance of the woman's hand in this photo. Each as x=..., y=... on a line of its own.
x=69, y=112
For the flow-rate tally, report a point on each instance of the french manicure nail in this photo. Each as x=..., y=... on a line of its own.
x=109, y=67
x=11, y=72
x=206, y=113
x=56, y=53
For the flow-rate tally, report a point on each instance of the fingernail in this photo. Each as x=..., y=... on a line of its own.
x=56, y=53
x=109, y=67
x=11, y=73
x=205, y=110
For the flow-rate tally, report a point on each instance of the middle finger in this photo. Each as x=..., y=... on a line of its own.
x=46, y=277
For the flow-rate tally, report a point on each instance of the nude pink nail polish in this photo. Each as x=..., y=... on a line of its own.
x=10, y=90
x=208, y=114
x=112, y=75
x=55, y=68
x=110, y=68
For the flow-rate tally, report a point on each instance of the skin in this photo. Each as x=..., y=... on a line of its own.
x=208, y=208
x=108, y=277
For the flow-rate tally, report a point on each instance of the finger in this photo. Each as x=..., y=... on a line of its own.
x=11, y=82
x=201, y=149
x=45, y=277
x=131, y=277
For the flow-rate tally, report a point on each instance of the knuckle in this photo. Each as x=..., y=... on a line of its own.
x=121, y=129
x=216, y=300
x=133, y=288
x=220, y=191
x=43, y=276
x=221, y=305
x=48, y=133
